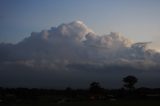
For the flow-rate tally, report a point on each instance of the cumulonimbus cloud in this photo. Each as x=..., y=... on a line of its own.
x=76, y=47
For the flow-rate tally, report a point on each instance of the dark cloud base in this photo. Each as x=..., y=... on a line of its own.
x=76, y=76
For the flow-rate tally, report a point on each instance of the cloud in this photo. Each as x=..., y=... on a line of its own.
x=71, y=51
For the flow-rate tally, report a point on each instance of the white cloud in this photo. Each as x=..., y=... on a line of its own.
x=76, y=42
x=74, y=46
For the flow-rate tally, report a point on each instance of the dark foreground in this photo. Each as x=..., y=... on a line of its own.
x=89, y=103
x=94, y=96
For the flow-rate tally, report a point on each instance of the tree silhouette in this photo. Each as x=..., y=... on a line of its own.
x=95, y=87
x=96, y=91
x=130, y=81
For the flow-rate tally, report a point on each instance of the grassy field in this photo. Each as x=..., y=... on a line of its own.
x=91, y=103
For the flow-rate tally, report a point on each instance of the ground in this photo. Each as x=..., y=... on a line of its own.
x=90, y=103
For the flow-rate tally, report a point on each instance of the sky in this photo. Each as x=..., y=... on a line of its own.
x=75, y=42
x=136, y=19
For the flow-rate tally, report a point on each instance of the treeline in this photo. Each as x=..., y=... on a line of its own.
x=94, y=92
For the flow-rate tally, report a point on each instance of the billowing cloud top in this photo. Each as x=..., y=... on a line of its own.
x=75, y=42
x=74, y=46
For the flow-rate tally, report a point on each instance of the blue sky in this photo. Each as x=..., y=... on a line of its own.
x=136, y=19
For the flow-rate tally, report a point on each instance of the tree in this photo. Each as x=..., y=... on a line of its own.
x=96, y=91
x=130, y=81
x=95, y=87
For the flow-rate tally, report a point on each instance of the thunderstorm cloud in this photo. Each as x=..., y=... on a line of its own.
x=73, y=55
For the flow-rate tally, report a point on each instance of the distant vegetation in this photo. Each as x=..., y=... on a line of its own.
x=94, y=94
